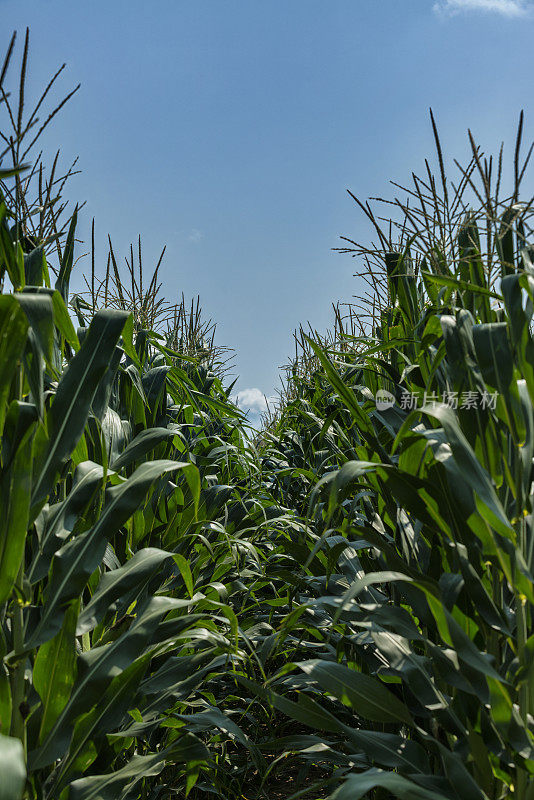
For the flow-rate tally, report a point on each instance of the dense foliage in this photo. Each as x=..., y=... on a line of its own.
x=338, y=606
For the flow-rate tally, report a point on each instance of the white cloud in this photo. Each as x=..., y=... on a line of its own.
x=195, y=235
x=253, y=400
x=507, y=8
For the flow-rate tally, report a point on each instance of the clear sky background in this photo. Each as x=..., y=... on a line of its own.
x=229, y=130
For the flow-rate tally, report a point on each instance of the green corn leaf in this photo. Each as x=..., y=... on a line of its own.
x=185, y=571
x=346, y=393
x=496, y=362
x=76, y=561
x=11, y=255
x=122, y=781
x=471, y=267
x=57, y=522
x=519, y=320
x=341, y=480
x=13, y=331
x=461, y=286
x=128, y=580
x=33, y=372
x=54, y=671
x=504, y=242
x=127, y=342
x=387, y=749
x=105, y=716
x=177, y=678
x=508, y=721
x=143, y=443
x=35, y=268
x=97, y=667
x=66, y=419
x=6, y=701
x=366, y=695
x=357, y=786
x=15, y=491
x=474, y=473
x=415, y=669
x=39, y=312
x=62, y=319
x=100, y=404
x=458, y=775
x=67, y=261
x=214, y=718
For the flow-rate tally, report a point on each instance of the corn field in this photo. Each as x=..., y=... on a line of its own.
x=339, y=605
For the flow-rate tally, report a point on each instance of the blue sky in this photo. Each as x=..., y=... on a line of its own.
x=229, y=131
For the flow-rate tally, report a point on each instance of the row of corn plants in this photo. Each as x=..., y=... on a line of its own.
x=112, y=555
x=414, y=612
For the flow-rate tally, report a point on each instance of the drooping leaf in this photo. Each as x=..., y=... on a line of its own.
x=366, y=695
x=66, y=419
